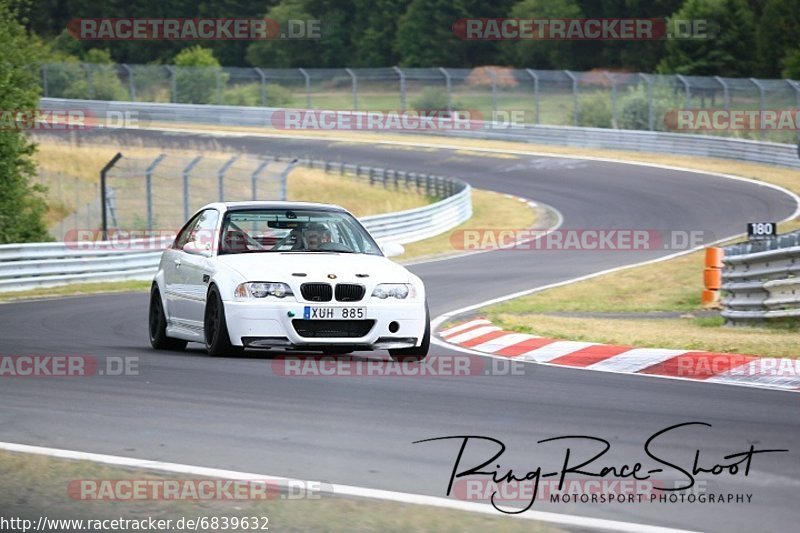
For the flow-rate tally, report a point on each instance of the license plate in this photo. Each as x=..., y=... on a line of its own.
x=334, y=313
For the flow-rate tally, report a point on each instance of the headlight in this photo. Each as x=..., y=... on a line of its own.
x=260, y=289
x=393, y=290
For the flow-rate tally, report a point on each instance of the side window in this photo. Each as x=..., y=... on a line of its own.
x=185, y=233
x=205, y=229
x=201, y=228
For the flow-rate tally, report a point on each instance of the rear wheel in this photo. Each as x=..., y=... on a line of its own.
x=417, y=353
x=215, y=327
x=157, y=321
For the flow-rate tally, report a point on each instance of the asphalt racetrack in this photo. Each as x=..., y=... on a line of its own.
x=240, y=414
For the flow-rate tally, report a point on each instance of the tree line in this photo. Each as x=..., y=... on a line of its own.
x=751, y=38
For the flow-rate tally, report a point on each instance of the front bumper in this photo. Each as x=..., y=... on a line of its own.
x=268, y=324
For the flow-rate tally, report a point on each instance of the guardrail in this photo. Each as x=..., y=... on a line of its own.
x=785, y=155
x=27, y=266
x=416, y=224
x=762, y=280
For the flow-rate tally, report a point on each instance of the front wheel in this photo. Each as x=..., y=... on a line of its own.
x=157, y=321
x=417, y=353
x=215, y=327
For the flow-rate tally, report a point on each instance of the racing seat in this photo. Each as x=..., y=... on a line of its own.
x=234, y=241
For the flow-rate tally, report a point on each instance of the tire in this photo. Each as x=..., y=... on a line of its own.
x=157, y=322
x=417, y=353
x=215, y=328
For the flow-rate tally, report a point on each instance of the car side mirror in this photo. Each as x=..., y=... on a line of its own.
x=392, y=249
x=197, y=248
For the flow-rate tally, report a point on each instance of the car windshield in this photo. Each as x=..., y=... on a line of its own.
x=294, y=230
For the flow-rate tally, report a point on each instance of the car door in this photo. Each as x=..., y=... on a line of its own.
x=196, y=269
x=171, y=262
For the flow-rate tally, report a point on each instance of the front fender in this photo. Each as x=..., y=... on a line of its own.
x=160, y=282
x=226, y=280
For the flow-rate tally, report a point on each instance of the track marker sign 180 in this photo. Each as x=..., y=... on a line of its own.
x=757, y=231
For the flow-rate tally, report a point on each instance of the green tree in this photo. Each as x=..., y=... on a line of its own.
x=778, y=35
x=544, y=54
x=96, y=79
x=279, y=53
x=791, y=65
x=22, y=203
x=731, y=52
x=425, y=37
x=335, y=49
x=641, y=56
x=378, y=20
x=198, y=76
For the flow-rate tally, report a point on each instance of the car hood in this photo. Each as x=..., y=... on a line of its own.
x=317, y=266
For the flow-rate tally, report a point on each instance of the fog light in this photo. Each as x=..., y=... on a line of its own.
x=393, y=327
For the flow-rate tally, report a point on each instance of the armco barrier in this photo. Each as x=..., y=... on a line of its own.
x=762, y=280
x=26, y=266
x=784, y=155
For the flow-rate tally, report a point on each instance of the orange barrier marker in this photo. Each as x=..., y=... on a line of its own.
x=714, y=257
x=712, y=276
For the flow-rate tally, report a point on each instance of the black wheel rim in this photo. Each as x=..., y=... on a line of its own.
x=211, y=321
x=155, y=315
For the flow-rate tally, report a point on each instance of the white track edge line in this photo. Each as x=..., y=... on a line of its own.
x=340, y=490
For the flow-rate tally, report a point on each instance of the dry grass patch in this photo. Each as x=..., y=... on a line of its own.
x=37, y=486
x=315, y=185
x=688, y=333
x=77, y=289
x=490, y=210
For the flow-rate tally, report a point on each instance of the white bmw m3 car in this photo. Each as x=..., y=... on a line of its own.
x=287, y=276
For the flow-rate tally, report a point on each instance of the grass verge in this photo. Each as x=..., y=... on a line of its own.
x=688, y=333
x=76, y=289
x=71, y=172
x=490, y=210
x=37, y=486
x=674, y=285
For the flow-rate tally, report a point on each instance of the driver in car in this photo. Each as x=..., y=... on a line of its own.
x=315, y=235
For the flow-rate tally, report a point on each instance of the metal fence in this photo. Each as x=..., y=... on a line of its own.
x=412, y=225
x=602, y=99
x=161, y=192
x=26, y=266
x=761, y=280
x=73, y=202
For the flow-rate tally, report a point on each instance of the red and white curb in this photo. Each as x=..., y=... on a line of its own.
x=482, y=336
